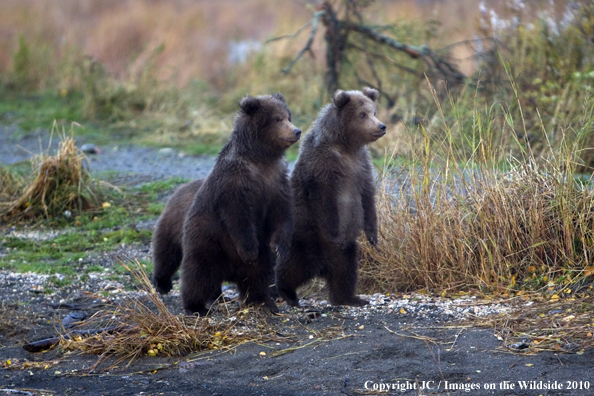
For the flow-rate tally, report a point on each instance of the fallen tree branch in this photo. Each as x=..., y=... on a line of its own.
x=41, y=345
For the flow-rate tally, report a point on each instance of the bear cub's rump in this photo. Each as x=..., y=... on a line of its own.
x=334, y=192
x=167, y=239
x=241, y=212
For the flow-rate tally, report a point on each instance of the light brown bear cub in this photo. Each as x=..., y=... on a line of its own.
x=238, y=215
x=334, y=193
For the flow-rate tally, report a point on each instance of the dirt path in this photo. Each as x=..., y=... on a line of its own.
x=398, y=345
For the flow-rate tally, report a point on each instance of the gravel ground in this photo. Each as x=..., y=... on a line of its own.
x=398, y=344
x=127, y=159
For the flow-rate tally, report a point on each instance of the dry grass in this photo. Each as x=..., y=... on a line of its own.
x=481, y=229
x=557, y=325
x=449, y=221
x=59, y=183
x=146, y=327
x=10, y=185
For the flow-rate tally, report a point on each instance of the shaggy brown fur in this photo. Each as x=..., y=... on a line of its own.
x=167, y=239
x=243, y=208
x=334, y=192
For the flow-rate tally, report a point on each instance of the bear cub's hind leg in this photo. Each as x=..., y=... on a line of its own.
x=342, y=276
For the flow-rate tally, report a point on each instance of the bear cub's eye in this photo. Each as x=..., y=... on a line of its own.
x=363, y=115
x=278, y=119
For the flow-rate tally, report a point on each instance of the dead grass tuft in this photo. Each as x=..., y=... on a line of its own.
x=59, y=183
x=144, y=326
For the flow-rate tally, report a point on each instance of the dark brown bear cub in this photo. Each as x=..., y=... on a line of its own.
x=243, y=210
x=334, y=192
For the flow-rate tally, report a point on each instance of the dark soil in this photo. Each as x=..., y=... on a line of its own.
x=404, y=352
x=400, y=345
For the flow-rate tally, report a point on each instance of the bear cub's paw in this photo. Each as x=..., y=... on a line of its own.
x=270, y=306
x=290, y=297
x=196, y=310
x=354, y=301
x=371, y=237
x=163, y=286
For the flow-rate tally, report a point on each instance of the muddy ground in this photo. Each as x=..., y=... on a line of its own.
x=401, y=344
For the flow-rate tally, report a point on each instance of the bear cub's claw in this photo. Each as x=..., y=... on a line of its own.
x=371, y=238
x=281, y=250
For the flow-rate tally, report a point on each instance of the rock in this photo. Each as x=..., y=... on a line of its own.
x=90, y=148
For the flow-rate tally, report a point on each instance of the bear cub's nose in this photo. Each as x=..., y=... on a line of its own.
x=297, y=132
x=382, y=127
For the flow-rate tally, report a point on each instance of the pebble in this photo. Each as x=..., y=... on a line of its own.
x=167, y=152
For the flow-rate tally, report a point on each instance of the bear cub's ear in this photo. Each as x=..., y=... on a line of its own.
x=279, y=96
x=249, y=105
x=341, y=98
x=371, y=93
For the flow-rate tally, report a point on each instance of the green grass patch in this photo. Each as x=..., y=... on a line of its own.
x=36, y=110
x=96, y=231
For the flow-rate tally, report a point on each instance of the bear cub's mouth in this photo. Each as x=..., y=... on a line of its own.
x=381, y=132
x=378, y=134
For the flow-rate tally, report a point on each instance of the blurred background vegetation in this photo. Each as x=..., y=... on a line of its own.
x=488, y=106
x=171, y=72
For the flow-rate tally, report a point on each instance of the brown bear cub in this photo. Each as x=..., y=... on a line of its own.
x=334, y=193
x=238, y=214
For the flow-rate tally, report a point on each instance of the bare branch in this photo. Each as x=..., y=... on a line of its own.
x=465, y=42
x=413, y=51
x=389, y=59
x=294, y=35
x=315, y=22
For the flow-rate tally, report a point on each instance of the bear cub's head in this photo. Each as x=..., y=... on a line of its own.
x=357, y=111
x=269, y=118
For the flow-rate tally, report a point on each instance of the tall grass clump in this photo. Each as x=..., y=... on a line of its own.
x=487, y=220
x=58, y=183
